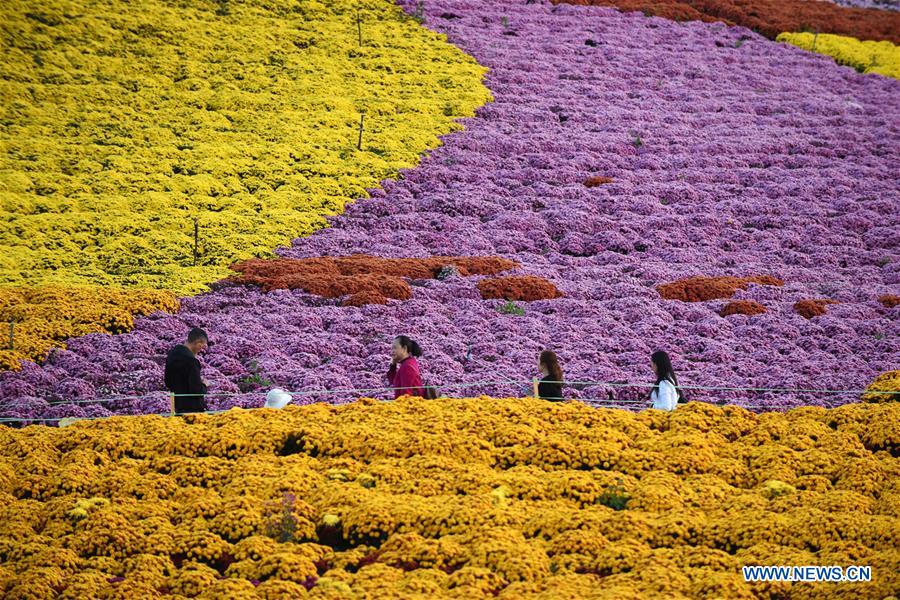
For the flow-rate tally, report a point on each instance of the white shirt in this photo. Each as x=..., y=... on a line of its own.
x=667, y=396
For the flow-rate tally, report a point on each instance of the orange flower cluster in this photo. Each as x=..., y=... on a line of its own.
x=453, y=498
x=743, y=307
x=812, y=308
x=597, y=181
x=527, y=288
x=701, y=289
x=889, y=300
x=44, y=317
x=361, y=279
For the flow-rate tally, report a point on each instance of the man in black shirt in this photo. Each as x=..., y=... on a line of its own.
x=183, y=373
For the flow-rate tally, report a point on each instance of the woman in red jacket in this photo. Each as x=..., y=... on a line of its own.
x=404, y=374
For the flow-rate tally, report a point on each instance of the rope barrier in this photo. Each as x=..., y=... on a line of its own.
x=168, y=414
x=630, y=405
x=163, y=395
x=725, y=389
x=523, y=385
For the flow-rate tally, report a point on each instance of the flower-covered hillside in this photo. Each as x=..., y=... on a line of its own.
x=468, y=498
x=150, y=145
x=748, y=160
x=770, y=17
x=810, y=25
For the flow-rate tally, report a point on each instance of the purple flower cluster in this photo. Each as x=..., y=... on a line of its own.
x=884, y=4
x=727, y=158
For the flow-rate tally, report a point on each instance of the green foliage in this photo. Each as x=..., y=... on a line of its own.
x=511, y=308
x=615, y=496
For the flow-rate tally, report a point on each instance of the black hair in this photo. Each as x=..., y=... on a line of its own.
x=411, y=347
x=197, y=334
x=549, y=359
x=664, y=372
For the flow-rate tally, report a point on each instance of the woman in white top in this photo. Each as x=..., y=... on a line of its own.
x=665, y=392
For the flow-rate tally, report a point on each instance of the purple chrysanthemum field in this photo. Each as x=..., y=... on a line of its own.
x=729, y=154
x=882, y=4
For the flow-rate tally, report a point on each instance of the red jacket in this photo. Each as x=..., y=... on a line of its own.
x=406, y=379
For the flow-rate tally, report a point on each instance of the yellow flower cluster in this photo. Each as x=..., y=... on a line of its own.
x=866, y=56
x=43, y=317
x=886, y=382
x=499, y=497
x=124, y=122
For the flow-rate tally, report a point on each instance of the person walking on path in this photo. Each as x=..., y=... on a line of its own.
x=183, y=379
x=404, y=375
x=665, y=393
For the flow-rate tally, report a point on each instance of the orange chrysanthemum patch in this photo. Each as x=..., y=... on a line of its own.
x=597, y=181
x=526, y=288
x=361, y=279
x=812, y=308
x=701, y=289
x=889, y=300
x=743, y=307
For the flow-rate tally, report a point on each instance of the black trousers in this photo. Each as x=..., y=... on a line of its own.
x=190, y=404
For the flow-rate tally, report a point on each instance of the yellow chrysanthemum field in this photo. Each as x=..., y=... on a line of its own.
x=451, y=499
x=123, y=122
x=866, y=56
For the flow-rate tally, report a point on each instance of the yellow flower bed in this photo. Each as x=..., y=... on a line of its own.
x=867, y=56
x=124, y=121
x=459, y=498
x=43, y=317
x=886, y=382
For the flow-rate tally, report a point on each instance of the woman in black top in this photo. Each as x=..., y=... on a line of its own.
x=550, y=385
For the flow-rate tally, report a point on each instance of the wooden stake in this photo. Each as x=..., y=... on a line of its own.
x=196, y=238
x=359, y=142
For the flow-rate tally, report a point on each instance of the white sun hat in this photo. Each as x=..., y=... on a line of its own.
x=277, y=398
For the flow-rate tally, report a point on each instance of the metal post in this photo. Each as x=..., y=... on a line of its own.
x=359, y=142
x=12, y=327
x=359, y=26
x=196, y=239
